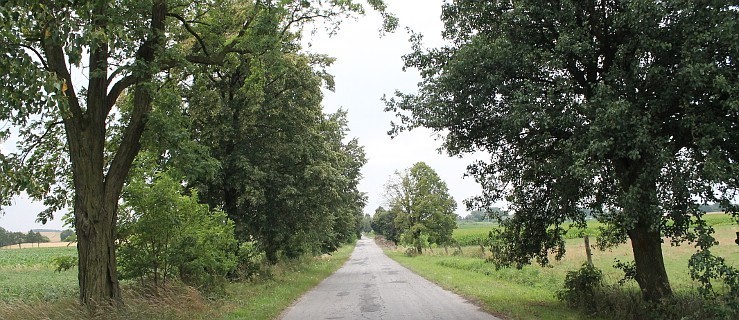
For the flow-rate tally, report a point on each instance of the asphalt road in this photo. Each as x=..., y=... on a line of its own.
x=372, y=286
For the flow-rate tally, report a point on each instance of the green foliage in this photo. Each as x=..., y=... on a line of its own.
x=705, y=267
x=64, y=263
x=580, y=286
x=287, y=176
x=383, y=223
x=165, y=234
x=626, y=109
x=68, y=235
x=629, y=269
x=422, y=206
x=364, y=225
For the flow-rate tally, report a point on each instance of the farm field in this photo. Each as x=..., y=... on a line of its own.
x=27, y=274
x=469, y=233
x=529, y=293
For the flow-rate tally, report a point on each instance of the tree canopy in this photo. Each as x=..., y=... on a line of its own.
x=626, y=108
x=66, y=68
x=422, y=206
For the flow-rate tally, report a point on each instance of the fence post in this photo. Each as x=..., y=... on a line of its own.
x=588, y=252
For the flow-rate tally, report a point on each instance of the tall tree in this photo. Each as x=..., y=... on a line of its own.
x=423, y=207
x=627, y=108
x=63, y=67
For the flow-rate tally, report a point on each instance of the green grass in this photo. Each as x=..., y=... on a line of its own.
x=471, y=233
x=529, y=293
x=267, y=299
x=28, y=275
x=30, y=289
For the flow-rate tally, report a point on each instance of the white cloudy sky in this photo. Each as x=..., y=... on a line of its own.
x=367, y=67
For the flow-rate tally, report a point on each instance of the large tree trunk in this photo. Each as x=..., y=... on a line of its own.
x=98, y=277
x=646, y=244
x=95, y=205
x=639, y=186
x=96, y=191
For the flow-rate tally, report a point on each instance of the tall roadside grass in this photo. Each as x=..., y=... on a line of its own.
x=261, y=298
x=266, y=298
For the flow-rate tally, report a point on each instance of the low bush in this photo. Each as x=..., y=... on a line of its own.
x=166, y=235
x=580, y=287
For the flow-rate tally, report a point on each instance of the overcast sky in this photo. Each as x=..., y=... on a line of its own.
x=367, y=67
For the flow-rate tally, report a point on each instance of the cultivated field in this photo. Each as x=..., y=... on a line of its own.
x=40, y=245
x=27, y=274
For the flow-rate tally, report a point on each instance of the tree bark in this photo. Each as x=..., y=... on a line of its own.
x=651, y=275
x=639, y=182
x=97, y=276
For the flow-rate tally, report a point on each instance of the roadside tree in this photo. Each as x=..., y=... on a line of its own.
x=383, y=223
x=65, y=64
x=423, y=207
x=626, y=108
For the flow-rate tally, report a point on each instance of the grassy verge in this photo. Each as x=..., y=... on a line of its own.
x=519, y=297
x=266, y=299
x=30, y=289
x=529, y=293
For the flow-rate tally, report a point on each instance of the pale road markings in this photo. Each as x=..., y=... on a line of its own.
x=372, y=286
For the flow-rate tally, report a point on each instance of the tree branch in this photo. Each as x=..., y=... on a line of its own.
x=142, y=99
x=38, y=54
x=39, y=140
x=191, y=31
x=58, y=65
x=117, y=89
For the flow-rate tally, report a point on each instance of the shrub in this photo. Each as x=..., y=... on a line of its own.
x=580, y=287
x=165, y=234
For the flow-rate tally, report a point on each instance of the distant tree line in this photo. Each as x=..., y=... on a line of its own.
x=8, y=238
x=490, y=215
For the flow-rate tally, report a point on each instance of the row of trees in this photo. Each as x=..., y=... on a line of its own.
x=488, y=215
x=625, y=108
x=421, y=211
x=216, y=96
x=8, y=238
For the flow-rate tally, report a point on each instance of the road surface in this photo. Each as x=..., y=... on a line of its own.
x=372, y=286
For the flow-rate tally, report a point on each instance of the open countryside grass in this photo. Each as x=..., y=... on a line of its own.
x=32, y=290
x=471, y=233
x=529, y=293
x=27, y=274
